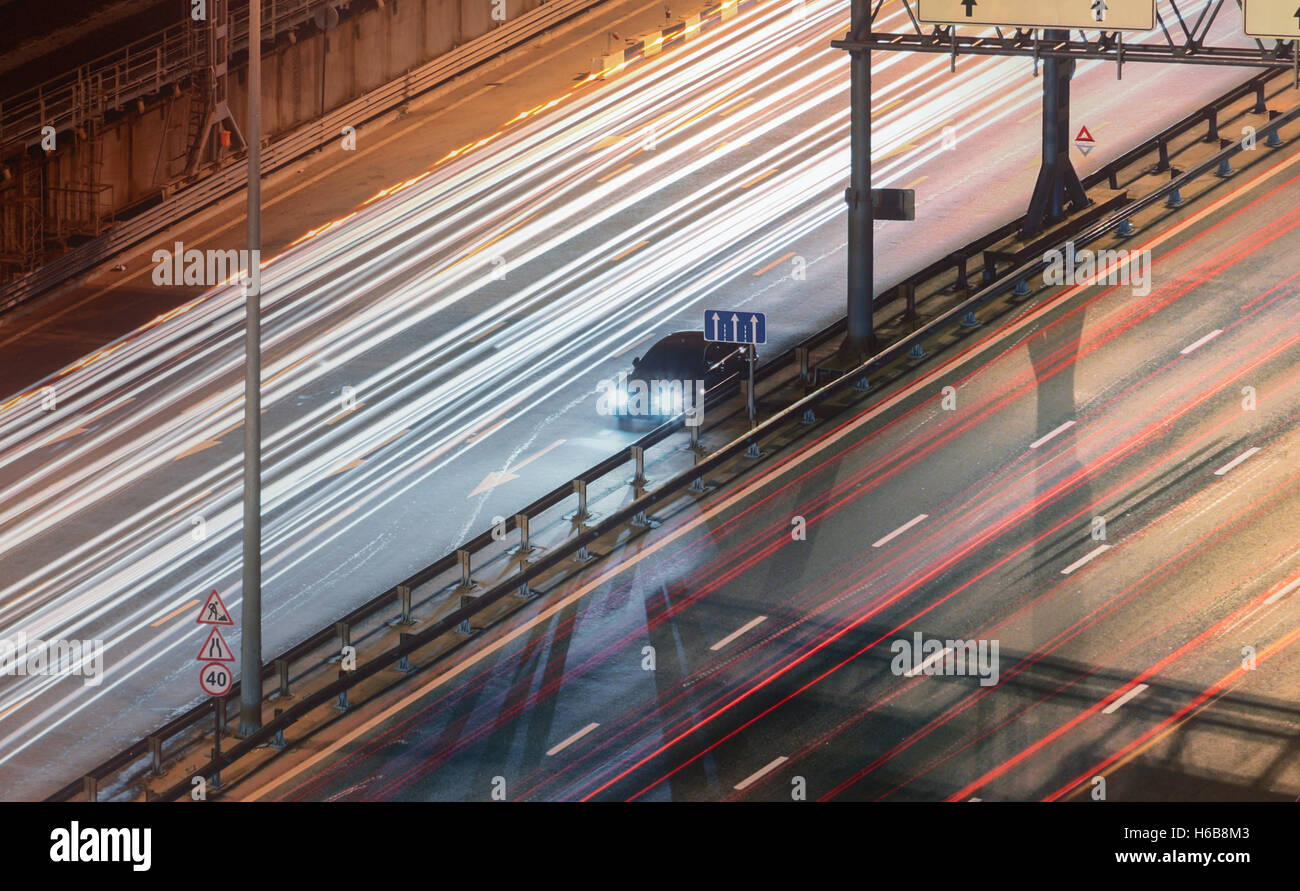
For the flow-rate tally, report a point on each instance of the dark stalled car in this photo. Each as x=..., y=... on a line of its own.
x=673, y=376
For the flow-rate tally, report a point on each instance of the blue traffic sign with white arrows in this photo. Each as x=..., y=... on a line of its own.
x=730, y=326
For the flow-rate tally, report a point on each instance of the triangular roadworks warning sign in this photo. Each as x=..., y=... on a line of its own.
x=1084, y=135
x=214, y=611
x=215, y=649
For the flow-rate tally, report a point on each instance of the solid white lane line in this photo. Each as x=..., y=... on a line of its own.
x=1281, y=592
x=1114, y=706
x=900, y=530
x=1202, y=342
x=1037, y=442
x=1100, y=549
x=759, y=774
x=1235, y=461
x=573, y=739
x=739, y=631
x=915, y=670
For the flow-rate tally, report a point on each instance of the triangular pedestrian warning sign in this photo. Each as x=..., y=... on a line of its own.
x=214, y=611
x=1084, y=135
x=1085, y=148
x=215, y=649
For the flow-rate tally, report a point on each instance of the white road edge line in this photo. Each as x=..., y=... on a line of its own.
x=1237, y=460
x=1114, y=706
x=1100, y=549
x=1042, y=439
x=1202, y=342
x=759, y=774
x=901, y=529
x=915, y=670
x=573, y=739
x=739, y=631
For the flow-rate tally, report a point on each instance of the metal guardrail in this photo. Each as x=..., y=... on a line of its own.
x=307, y=138
x=954, y=263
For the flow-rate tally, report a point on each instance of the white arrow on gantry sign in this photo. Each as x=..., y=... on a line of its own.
x=1116, y=15
x=1276, y=19
x=723, y=326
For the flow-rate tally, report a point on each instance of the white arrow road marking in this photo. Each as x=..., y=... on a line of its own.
x=494, y=479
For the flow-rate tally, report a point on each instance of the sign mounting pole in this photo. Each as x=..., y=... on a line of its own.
x=861, y=327
x=1057, y=179
x=250, y=643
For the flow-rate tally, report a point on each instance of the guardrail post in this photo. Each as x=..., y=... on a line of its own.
x=909, y=294
x=695, y=445
x=404, y=601
x=218, y=727
x=801, y=356
x=1225, y=164
x=581, y=517
x=404, y=661
x=1175, y=198
x=464, y=627
x=1125, y=228
x=466, y=577
x=1162, y=149
x=90, y=785
x=1212, y=124
x=638, y=480
x=342, y=703
x=277, y=741
x=155, y=756
x=962, y=283
x=524, y=548
x=344, y=634
x=282, y=670
x=1260, y=107
x=698, y=484
x=1274, y=138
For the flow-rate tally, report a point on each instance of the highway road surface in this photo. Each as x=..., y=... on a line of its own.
x=432, y=359
x=1103, y=507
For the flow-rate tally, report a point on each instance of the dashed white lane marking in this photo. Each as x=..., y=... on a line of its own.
x=1114, y=706
x=1042, y=439
x=1237, y=460
x=900, y=530
x=1202, y=342
x=974, y=799
x=760, y=773
x=739, y=631
x=573, y=739
x=1281, y=592
x=1100, y=549
x=927, y=663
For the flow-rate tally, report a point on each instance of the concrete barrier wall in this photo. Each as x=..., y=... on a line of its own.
x=364, y=51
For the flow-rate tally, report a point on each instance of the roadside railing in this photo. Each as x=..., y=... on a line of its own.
x=633, y=515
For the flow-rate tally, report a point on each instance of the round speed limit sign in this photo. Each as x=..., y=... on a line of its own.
x=215, y=679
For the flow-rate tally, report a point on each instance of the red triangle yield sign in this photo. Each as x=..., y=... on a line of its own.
x=215, y=649
x=1084, y=136
x=214, y=612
